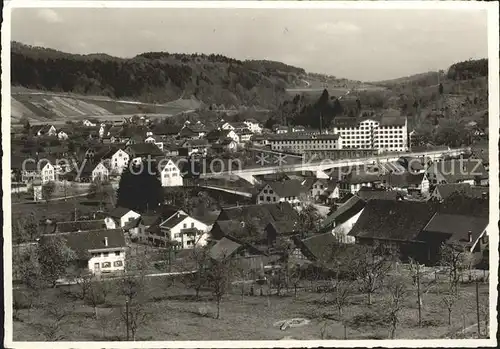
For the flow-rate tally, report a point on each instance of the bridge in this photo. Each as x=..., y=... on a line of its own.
x=327, y=164
x=228, y=190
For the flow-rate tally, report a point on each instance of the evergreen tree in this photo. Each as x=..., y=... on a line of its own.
x=441, y=89
x=140, y=187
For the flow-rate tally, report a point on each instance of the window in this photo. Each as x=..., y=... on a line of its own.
x=117, y=253
x=105, y=254
x=192, y=225
x=261, y=198
x=177, y=235
x=274, y=198
x=106, y=265
x=184, y=225
x=118, y=264
x=268, y=198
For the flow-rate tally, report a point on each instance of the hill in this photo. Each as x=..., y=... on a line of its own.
x=154, y=77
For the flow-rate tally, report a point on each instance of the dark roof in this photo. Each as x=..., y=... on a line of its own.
x=402, y=180
x=223, y=248
x=141, y=149
x=162, y=129
x=286, y=188
x=367, y=193
x=458, y=170
x=350, y=208
x=392, y=220
x=173, y=220
x=345, y=121
x=195, y=143
x=82, y=242
x=283, y=227
x=446, y=190
x=302, y=136
x=457, y=226
x=358, y=177
x=72, y=226
x=319, y=247
x=118, y=212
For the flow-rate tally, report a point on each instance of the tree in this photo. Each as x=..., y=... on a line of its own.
x=196, y=261
x=100, y=191
x=371, y=265
x=54, y=257
x=449, y=298
x=441, y=89
x=219, y=277
x=140, y=188
x=48, y=190
x=397, y=293
x=454, y=259
x=309, y=220
x=96, y=294
x=54, y=317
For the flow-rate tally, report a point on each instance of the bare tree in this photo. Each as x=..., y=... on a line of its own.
x=96, y=294
x=197, y=262
x=55, y=315
x=397, y=292
x=455, y=259
x=371, y=265
x=342, y=292
x=295, y=277
x=449, y=298
x=219, y=276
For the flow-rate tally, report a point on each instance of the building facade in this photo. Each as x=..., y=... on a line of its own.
x=302, y=143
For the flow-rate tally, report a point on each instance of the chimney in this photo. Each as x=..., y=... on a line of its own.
x=470, y=236
x=106, y=241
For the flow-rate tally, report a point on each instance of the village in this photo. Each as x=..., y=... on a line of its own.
x=282, y=233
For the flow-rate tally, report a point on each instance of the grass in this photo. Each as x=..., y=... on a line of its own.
x=174, y=314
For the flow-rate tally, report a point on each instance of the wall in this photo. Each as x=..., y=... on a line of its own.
x=187, y=223
x=127, y=217
x=98, y=257
x=345, y=228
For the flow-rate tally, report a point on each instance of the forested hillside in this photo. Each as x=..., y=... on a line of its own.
x=155, y=76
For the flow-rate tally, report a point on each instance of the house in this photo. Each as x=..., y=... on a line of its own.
x=453, y=171
x=37, y=190
x=260, y=140
x=119, y=160
x=406, y=182
x=370, y=193
x=48, y=172
x=245, y=135
x=194, y=146
x=99, y=251
x=62, y=135
x=298, y=128
x=137, y=228
x=140, y=151
x=165, y=131
x=180, y=229
x=218, y=135
x=43, y=170
x=119, y=216
x=292, y=191
x=100, y=172
x=234, y=126
x=156, y=140
x=88, y=123
x=444, y=191
x=395, y=224
x=316, y=248
x=357, y=179
x=226, y=145
x=76, y=226
x=278, y=129
x=340, y=222
x=170, y=173
x=45, y=130
x=193, y=131
x=236, y=221
x=325, y=190
x=465, y=232
x=253, y=125
x=414, y=165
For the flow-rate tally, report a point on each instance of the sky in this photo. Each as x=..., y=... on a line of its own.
x=367, y=45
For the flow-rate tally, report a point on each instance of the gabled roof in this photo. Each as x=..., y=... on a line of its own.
x=358, y=177
x=223, y=249
x=446, y=190
x=458, y=170
x=195, y=143
x=119, y=212
x=74, y=226
x=320, y=247
x=349, y=209
x=173, y=220
x=82, y=242
x=457, y=227
x=142, y=149
x=367, y=193
x=392, y=220
x=287, y=188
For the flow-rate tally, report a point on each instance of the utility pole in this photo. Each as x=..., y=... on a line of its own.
x=419, y=297
x=477, y=310
x=126, y=317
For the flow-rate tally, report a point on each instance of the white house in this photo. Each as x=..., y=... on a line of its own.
x=244, y=135
x=470, y=171
x=155, y=140
x=88, y=123
x=46, y=130
x=102, y=251
x=341, y=221
x=253, y=125
x=187, y=231
x=291, y=191
x=119, y=217
x=119, y=160
x=48, y=173
x=326, y=189
x=170, y=174
x=62, y=135
x=100, y=172
x=231, y=134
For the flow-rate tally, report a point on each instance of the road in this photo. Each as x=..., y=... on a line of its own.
x=54, y=199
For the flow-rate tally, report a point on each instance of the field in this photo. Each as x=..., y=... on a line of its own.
x=175, y=314
x=42, y=106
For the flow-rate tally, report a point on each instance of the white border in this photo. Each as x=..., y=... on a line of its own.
x=493, y=50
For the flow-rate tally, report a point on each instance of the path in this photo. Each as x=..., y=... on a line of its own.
x=54, y=199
